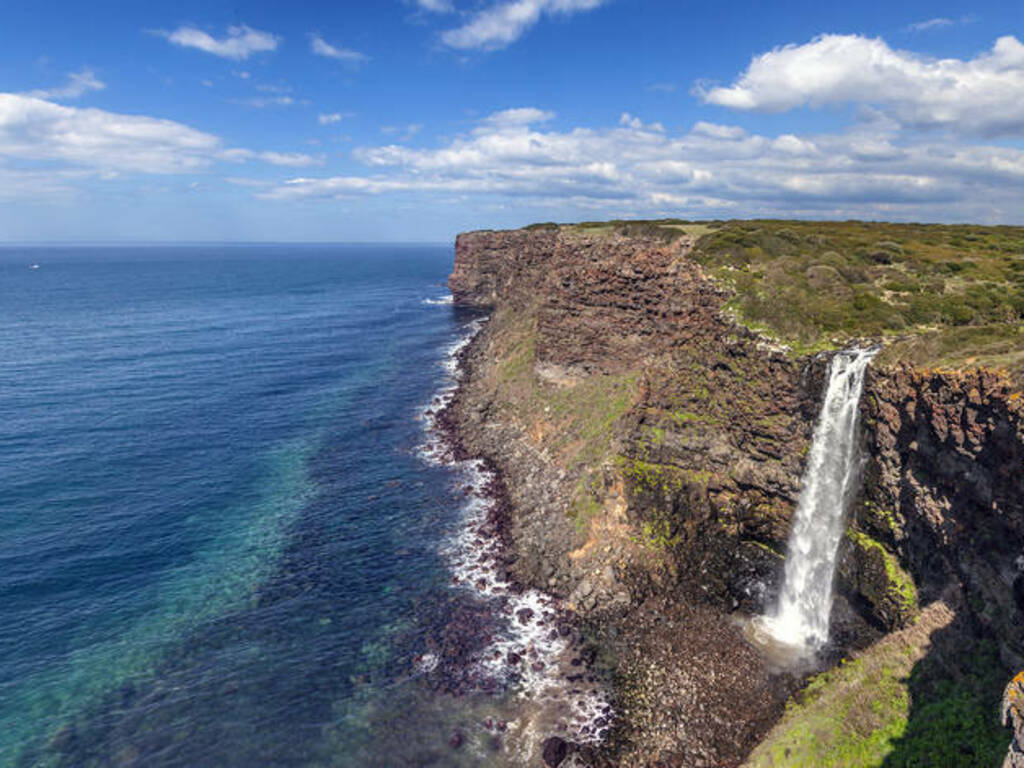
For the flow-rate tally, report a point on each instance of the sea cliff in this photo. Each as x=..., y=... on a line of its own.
x=652, y=421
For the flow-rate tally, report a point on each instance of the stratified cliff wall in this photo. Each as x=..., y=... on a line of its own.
x=944, y=485
x=653, y=450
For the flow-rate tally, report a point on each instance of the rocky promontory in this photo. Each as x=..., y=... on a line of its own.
x=651, y=416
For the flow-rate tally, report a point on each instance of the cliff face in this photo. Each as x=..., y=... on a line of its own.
x=944, y=485
x=653, y=449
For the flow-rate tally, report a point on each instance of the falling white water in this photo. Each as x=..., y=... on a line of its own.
x=802, y=615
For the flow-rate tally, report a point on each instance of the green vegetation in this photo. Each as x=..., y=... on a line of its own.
x=658, y=534
x=848, y=716
x=883, y=581
x=662, y=484
x=667, y=230
x=925, y=697
x=945, y=295
x=881, y=520
x=662, y=479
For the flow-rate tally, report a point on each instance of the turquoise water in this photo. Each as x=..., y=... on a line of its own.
x=216, y=540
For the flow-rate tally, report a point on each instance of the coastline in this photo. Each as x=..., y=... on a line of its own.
x=537, y=652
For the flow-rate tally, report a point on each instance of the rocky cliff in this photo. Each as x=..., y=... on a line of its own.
x=653, y=445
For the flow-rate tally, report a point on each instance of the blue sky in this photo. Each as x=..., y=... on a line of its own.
x=415, y=119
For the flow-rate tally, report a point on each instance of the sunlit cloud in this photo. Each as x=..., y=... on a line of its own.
x=320, y=47
x=79, y=83
x=979, y=96
x=638, y=168
x=240, y=43
x=502, y=23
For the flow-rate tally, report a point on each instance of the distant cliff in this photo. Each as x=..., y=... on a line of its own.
x=651, y=415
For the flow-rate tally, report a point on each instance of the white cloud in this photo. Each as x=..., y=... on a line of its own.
x=33, y=129
x=436, y=6
x=505, y=22
x=631, y=169
x=517, y=117
x=321, y=47
x=262, y=102
x=635, y=122
x=290, y=159
x=982, y=95
x=20, y=186
x=923, y=26
x=716, y=131
x=241, y=42
x=332, y=118
x=403, y=132
x=79, y=83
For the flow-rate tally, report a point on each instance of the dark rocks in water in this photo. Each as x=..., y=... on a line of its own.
x=555, y=751
x=455, y=740
x=524, y=615
x=537, y=666
x=513, y=658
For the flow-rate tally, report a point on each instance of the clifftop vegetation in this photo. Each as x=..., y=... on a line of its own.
x=945, y=296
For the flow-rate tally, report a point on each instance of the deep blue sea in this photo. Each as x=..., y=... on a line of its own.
x=216, y=538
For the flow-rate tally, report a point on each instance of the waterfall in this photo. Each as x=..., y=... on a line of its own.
x=802, y=615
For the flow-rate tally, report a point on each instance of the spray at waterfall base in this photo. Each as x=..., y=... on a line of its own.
x=798, y=626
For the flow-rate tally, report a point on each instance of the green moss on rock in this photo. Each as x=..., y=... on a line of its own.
x=876, y=574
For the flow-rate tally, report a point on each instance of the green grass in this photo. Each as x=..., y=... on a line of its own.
x=924, y=697
x=951, y=295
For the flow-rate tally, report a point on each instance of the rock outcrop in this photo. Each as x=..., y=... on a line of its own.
x=944, y=486
x=1013, y=717
x=653, y=449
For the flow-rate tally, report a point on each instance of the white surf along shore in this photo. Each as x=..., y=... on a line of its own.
x=577, y=709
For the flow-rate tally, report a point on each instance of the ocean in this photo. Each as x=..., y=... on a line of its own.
x=228, y=536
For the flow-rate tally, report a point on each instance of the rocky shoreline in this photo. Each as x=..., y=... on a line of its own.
x=512, y=637
x=666, y=661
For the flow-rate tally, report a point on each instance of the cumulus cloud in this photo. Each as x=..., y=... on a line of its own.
x=32, y=129
x=321, y=47
x=979, y=96
x=240, y=43
x=78, y=84
x=505, y=22
x=635, y=122
x=633, y=169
